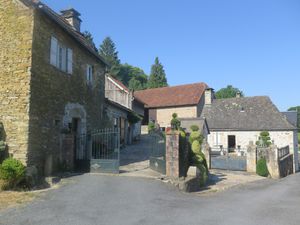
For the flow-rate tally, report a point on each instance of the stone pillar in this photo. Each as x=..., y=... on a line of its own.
x=172, y=154
x=272, y=161
x=251, y=157
x=206, y=151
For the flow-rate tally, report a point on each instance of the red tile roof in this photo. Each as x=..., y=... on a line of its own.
x=189, y=94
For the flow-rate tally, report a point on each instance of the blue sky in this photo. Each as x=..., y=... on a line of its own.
x=251, y=44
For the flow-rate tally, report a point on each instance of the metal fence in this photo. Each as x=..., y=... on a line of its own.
x=99, y=150
x=157, y=157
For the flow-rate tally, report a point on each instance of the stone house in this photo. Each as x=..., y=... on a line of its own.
x=51, y=79
x=120, y=106
x=160, y=103
x=234, y=122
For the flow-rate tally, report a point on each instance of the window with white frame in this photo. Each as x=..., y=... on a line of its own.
x=60, y=56
x=89, y=74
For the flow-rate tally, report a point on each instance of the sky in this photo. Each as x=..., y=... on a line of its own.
x=253, y=45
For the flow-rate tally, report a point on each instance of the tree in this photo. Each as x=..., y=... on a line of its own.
x=89, y=37
x=228, y=92
x=109, y=53
x=157, y=76
x=296, y=108
x=264, y=139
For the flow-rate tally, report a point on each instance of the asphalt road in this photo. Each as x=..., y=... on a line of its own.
x=112, y=200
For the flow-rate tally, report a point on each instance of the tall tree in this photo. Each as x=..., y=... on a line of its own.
x=109, y=53
x=157, y=76
x=228, y=92
x=89, y=37
x=296, y=108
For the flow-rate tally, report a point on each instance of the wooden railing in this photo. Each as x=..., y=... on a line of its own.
x=282, y=152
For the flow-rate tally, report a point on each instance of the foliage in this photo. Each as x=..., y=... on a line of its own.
x=198, y=158
x=264, y=139
x=133, y=118
x=261, y=168
x=194, y=128
x=298, y=138
x=157, y=76
x=196, y=136
x=89, y=37
x=108, y=52
x=175, y=122
x=151, y=127
x=228, y=92
x=12, y=171
x=296, y=108
x=2, y=139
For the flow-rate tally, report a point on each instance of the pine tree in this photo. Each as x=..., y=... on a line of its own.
x=109, y=53
x=157, y=76
x=89, y=37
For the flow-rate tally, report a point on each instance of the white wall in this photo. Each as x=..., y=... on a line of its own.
x=281, y=139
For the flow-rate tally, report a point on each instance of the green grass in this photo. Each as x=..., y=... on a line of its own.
x=299, y=137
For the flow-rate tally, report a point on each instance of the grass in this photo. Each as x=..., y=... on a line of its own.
x=14, y=198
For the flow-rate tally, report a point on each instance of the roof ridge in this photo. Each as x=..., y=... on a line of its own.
x=181, y=85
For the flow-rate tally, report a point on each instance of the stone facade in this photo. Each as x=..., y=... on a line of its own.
x=280, y=138
x=16, y=28
x=39, y=101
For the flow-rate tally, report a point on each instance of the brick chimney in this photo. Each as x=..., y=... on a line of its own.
x=209, y=96
x=72, y=16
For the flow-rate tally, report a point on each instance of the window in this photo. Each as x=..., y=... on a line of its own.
x=61, y=57
x=89, y=74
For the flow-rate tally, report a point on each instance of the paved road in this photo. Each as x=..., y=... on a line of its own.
x=112, y=200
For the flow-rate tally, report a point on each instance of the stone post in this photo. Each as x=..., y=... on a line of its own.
x=273, y=162
x=172, y=154
x=251, y=157
x=206, y=151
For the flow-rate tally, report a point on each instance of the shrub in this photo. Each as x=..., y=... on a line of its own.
x=194, y=128
x=151, y=127
x=264, y=139
x=12, y=171
x=175, y=122
x=261, y=168
x=196, y=136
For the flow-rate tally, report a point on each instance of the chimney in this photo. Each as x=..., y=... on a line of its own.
x=238, y=94
x=72, y=16
x=209, y=96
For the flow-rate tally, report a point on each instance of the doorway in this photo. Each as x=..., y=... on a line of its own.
x=231, y=143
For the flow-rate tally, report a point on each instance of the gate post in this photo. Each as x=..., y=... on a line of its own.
x=172, y=154
x=273, y=162
x=251, y=157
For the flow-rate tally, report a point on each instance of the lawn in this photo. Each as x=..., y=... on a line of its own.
x=14, y=198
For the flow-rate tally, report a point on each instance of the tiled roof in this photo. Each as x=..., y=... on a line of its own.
x=189, y=94
x=62, y=22
x=245, y=114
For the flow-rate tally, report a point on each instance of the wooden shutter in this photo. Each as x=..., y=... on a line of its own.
x=69, y=61
x=64, y=60
x=53, y=51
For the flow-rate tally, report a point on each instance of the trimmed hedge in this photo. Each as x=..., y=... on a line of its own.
x=261, y=168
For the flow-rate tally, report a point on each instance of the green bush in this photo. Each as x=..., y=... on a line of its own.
x=264, y=139
x=299, y=138
x=194, y=128
x=261, y=168
x=151, y=127
x=196, y=136
x=175, y=122
x=12, y=171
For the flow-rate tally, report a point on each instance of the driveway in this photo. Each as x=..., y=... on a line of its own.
x=113, y=200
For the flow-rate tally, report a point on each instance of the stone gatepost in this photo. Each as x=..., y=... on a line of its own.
x=251, y=157
x=272, y=161
x=206, y=151
x=172, y=154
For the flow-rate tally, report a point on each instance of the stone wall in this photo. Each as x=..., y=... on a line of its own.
x=280, y=138
x=58, y=97
x=164, y=115
x=16, y=28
